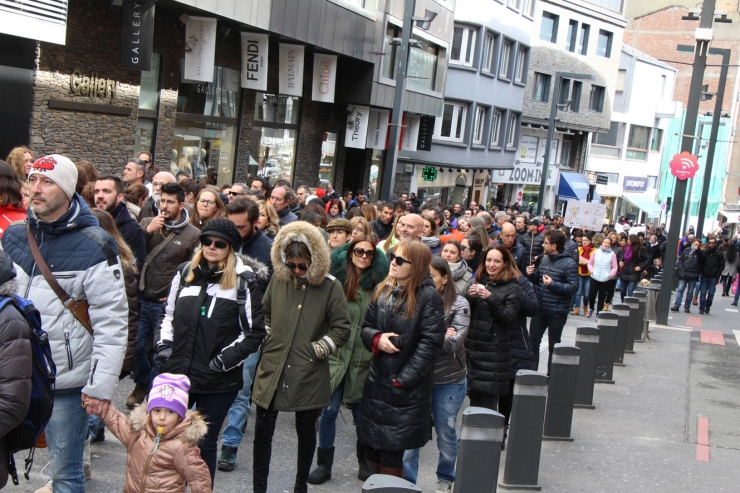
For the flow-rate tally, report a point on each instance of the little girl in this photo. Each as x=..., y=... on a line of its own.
x=162, y=440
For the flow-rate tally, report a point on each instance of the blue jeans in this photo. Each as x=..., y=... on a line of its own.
x=708, y=287
x=150, y=313
x=626, y=288
x=94, y=425
x=65, y=435
x=446, y=402
x=697, y=290
x=328, y=418
x=239, y=410
x=682, y=285
x=581, y=297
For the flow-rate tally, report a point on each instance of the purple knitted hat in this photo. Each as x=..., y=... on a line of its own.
x=170, y=392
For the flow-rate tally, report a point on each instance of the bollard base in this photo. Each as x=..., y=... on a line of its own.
x=604, y=381
x=629, y=351
x=584, y=406
x=531, y=487
x=557, y=439
x=618, y=364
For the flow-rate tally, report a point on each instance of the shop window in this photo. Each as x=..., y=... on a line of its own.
x=376, y=175
x=637, y=143
x=327, y=165
x=522, y=59
x=274, y=134
x=583, y=39
x=656, y=140
x=145, y=136
x=463, y=46
x=608, y=144
x=451, y=125
x=541, y=87
x=149, y=86
x=549, y=27
x=570, y=40
x=596, y=100
x=489, y=62
x=604, y=46
x=479, y=125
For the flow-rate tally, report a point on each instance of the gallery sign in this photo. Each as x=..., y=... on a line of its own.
x=92, y=85
x=426, y=130
x=254, y=61
x=200, y=49
x=290, y=69
x=356, y=134
x=635, y=183
x=324, y=77
x=137, y=35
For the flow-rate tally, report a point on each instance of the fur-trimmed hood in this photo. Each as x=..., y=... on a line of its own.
x=260, y=270
x=190, y=430
x=308, y=234
x=372, y=277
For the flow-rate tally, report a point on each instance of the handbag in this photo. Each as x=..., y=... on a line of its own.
x=734, y=284
x=79, y=309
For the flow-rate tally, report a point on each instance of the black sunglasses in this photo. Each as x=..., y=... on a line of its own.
x=359, y=252
x=399, y=260
x=292, y=266
x=220, y=244
x=235, y=194
x=145, y=161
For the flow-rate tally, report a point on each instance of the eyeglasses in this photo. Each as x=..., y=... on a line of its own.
x=207, y=202
x=220, y=244
x=399, y=260
x=292, y=266
x=145, y=161
x=235, y=194
x=360, y=252
x=465, y=247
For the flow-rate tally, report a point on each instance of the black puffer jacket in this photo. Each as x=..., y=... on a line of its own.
x=688, y=265
x=533, y=247
x=522, y=355
x=397, y=418
x=571, y=248
x=712, y=262
x=487, y=347
x=640, y=258
x=556, y=299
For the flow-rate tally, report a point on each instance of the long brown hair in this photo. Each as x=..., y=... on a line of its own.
x=509, y=272
x=16, y=160
x=449, y=291
x=368, y=210
x=432, y=223
x=353, y=276
x=195, y=218
x=105, y=220
x=10, y=186
x=420, y=257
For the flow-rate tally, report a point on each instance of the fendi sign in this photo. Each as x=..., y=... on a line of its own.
x=93, y=86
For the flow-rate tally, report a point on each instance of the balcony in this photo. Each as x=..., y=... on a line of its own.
x=667, y=109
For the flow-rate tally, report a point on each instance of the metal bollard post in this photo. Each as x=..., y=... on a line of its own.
x=479, y=452
x=587, y=340
x=382, y=483
x=623, y=312
x=607, y=340
x=525, y=432
x=642, y=323
x=632, y=323
x=561, y=393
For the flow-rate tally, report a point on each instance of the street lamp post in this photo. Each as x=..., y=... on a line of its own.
x=591, y=177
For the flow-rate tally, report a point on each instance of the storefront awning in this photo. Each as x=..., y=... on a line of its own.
x=733, y=217
x=574, y=186
x=652, y=209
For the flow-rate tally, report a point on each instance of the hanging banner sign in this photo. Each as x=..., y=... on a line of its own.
x=426, y=130
x=356, y=134
x=377, y=129
x=137, y=34
x=528, y=149
x=324, y=77
x=200, y=49
x=254, y=61
x=290, y=70
x=411, y=132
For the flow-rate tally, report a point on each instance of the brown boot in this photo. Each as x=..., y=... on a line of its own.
x=373, y=467
x=696, y=300
x=392, y=471
x=585, y=309
x=137, y=396
x=576, y=310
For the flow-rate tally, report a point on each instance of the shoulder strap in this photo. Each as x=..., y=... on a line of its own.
x=151, y=256
x=243, y=280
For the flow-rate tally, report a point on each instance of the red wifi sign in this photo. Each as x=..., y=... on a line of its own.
x=684, y=166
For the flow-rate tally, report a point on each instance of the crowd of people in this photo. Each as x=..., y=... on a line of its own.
x=217, y=299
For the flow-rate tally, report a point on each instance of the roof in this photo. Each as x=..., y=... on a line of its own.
x=640, y=55
x=667, y=7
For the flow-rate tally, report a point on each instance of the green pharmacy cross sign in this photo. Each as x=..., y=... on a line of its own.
x=429, y=173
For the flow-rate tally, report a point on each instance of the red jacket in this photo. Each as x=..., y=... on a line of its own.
x=10, y=214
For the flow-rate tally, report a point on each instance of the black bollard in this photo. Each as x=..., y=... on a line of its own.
x=642, y=322
x=632, y=323
x=607, y=325
x=479, y=452
x=587, y=340
x=525, y=431
x=623, y=312
x=382, y=483
x=561, y=392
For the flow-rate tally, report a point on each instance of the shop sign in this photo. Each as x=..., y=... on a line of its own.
x=410, y=133
x=93, y=86
x=200, y=49
x=731, y=207
x=518, y=175
x=324, y=77
x=356, y=134
x=290, y=70
x=634, y=184
x=528, y=149
x=553, y=151
x=426, y=129
x=254, y=61
x=377, y=130
x=429, y=173
x=137, y=34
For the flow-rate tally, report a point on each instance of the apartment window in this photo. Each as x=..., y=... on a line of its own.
x=596, y=101
x=515, y=4
x=390, y=52
x=621, y=77
x=512, y=130
x=541, y=87
x=656, y=140
x=451, y=125
x=423, y=62
x=480, y=122
x=652, y=182
x=504, y=66
x=604, y=47
x=575, y=97
x=570, y=41
x=611, y=142
x=663, y=87
x=463, y=46
x=529, y=7
x=498, y=117
x=583, y=39
x=564, y=92
x=520, y=74
x=637, y=142
x=549, y=27
x=490, y=54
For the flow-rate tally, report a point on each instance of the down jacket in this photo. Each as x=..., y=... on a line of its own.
x=397, y=417
x=487, y=346
x=449, y=367
x=84, y=260
x=522, y=354
x=177, y=459
x=131, y=232
x=532, y=247
x=641, y=259
x=556, y=299
x=712, y=262
x=131, y=280
x=688, y=265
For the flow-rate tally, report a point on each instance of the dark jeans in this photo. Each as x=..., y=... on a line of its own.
x=610, y=287
x=483, y=400
x=506, y=401
x=150, y=313
x=214, y=408
x=537, y=328
x=626, y=288
x=384, y=457
x=597, y=288
x=726, y=285
x=706, y=296
x=264, y=429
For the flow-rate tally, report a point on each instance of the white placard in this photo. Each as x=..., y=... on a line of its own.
x=356, y=135
x=324, y=77
x=291, y=70
x=254, y=61
x=528, y=149
x=585, y=215
x=377, y=129
x=411, y=132
x=200, y=49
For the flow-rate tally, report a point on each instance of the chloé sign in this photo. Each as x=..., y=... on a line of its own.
x=93, y=86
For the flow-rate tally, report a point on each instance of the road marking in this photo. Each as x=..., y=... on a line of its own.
x=694, y=321
x=712, y=337
x=733, y=310
x=702, y=439
x=737, y=336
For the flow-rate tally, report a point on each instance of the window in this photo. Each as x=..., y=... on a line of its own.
x=612, y=140
x=520, y=74
x=621, y=77
x=652, y=182
x=583, y=39
x=390, y=52
x=575, y=97
x=549, y=27
x=480, y=122
x=463, y=46
x=541, y=87
x=656, y=140
x=515, y=4
x=504, y=66
x=488, y=62
x=451, y=125
x=564, y=92
x=498, y=116
x=422, y=69
x=570, y=41
x=604, y=48
x=663, y=87
x=529, y=7
x=596, y=101
x=637, y=143
x=512, y=130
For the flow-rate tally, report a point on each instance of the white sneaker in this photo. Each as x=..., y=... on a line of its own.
x=87, y=459
x=444, y=486
x=46, y=488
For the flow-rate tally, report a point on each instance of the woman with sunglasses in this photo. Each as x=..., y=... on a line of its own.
x=405, y=329
x=205, y=333
x=359, y=266
x=471, y=252
x=208, y=206
x=306, y=317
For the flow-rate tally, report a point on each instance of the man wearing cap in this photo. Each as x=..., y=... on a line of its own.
x=245, y=214
x=84, y=261
x=340, y=232
x=532, y=241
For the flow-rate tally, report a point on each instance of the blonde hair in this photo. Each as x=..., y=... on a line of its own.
x=273, y=221
x=227, y=267
x=15, y=159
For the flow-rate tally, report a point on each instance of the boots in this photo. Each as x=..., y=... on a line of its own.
x=227, y=461
x=695, y=301
x=364, y=471
x=373, y=467
x=137, y=396
x=392, y=471
x=585, y=309
x=576, y=310
x=324, y=461
x=606, y=307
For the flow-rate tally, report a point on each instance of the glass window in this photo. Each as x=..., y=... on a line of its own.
x=583, y=39
x=575, y=97
x=515, y=4
x=652, y=182
x=541, y=87
x=422, y=68
x=451, y=125
x=529, y=7
x=610, y=138
x=521, y=65
x=463, y=46
x=596, y=101
x=219, y=98
x=274, y=138
x=564, y=92
x=513, y=127
x=570, y=41
x=656, y=140
x=144, y=135
x=488, y=62
x=549, y=27
x=621, y=77
x=504, y=66
x=390, y=52
x=498, y=116
x=480, y=122
x=277, y=109
x=328, y=152
x=637, y=143
x=604, y=47
x=149, y=87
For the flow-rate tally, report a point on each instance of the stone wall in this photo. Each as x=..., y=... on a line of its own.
x=245, y=136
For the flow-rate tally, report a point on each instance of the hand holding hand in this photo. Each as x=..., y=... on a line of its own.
x=95, y=406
